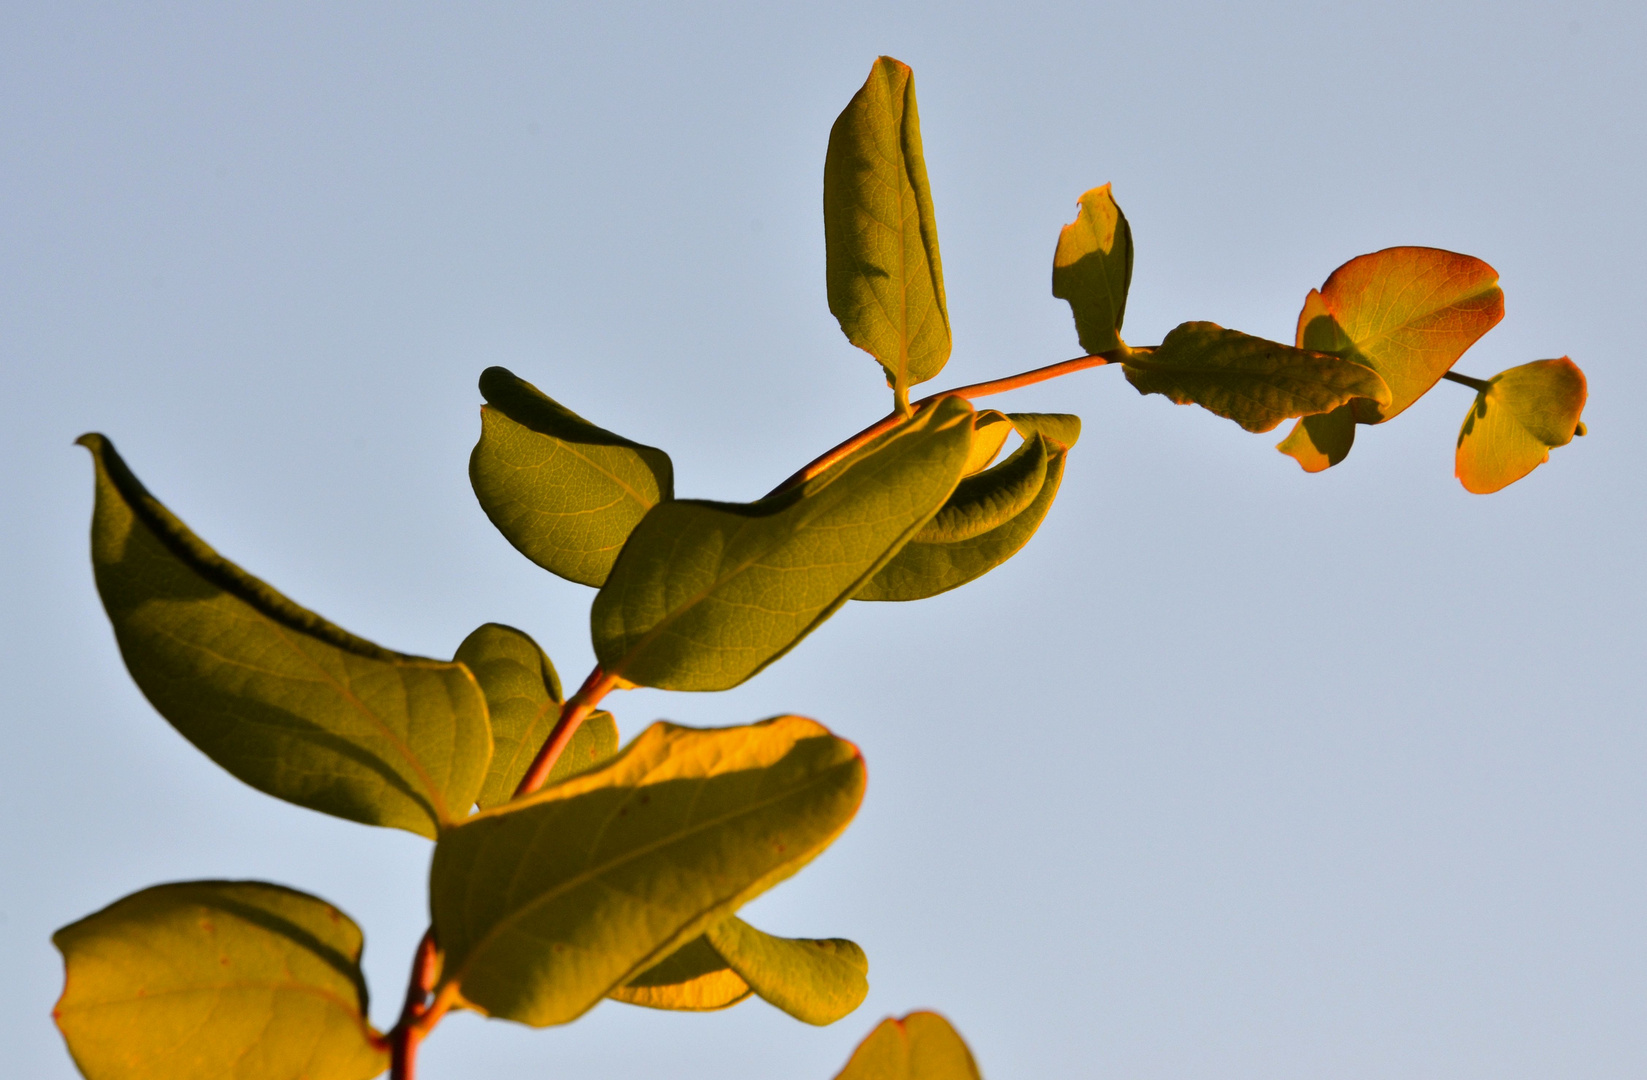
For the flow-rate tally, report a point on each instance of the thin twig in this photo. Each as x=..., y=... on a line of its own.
x=406, y=1034
x=572, y=715
x=1478, y=385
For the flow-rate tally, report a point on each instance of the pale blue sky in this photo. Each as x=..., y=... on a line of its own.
x=1233, y=773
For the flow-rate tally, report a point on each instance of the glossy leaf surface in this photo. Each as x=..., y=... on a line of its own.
x=278, y=696
x=816, y=981
x=1255, y=382
x=523, y=697
x=707, y=594
x=548, y=904
x=1514, y=423
x=693, y=978
x=1092, y=270
x=885, y=277
x=1408, y=313
x=989, y=519
x=921, y=1046
x=564, y=492
x=204, y=980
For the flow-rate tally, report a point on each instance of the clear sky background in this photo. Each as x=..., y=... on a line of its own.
x=1233, y=773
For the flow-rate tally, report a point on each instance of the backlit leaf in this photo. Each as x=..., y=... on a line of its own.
x=1256, y=383
x=921, y=1046
x=989, y=519
x=548, y=904
x=1092, y=269
x=523, y=697
x=563, y=491
x=202, y=980
x=1517, y=420
x=278, y=696
x=1061, y=428
x=989, y=434
x=817, y=981
x=1406, y=312
x=693, y=978
x=885, y=278
x=1321, y=441
x=707, y=594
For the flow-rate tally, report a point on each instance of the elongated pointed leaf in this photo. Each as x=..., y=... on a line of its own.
x=921, y=1046
x=693, y=978
x=707, y=594
x=523, y=698
x=988, y=520
x=817, y=981
x=548, y=904
x=278, y=696
x=1514, y=423
x=1092, y=269
x=1406, y=312
x=1256, y=383
x=202, y=980
x=563, y=491
x=885, y=277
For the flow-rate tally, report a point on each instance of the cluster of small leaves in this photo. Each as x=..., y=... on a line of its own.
x=567, y=870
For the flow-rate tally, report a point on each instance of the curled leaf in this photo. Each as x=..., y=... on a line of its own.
x=1092, y=270
x=693, y=978
x=1515, y=422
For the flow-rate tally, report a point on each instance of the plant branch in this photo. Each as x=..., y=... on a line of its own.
x=975, y=390
x=1479, y=385
x=572, y=715
x=403, y=1039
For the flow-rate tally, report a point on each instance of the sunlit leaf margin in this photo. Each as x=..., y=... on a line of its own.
x=1515, y=422
x=278, y=696
x=693, y=978
x=564, y=492
x=920, y=1046
x=1255, y=382
x=707, y=594
x=523, y=697
x=202, y=980
x=885, y=277
x=548, y=904
x=1092, y=270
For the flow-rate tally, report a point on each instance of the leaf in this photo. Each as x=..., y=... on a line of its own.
x=278, y=696
x=921, y=1046
x=1092, y=269
x=707, y=594
x=989, y=433
x=885, y=278
x=1514, y=423
x=523, y=697
x=1061, y=428
x=206, y=979
x=1256, y=383
x=1408, y=313
x=563, y=491
x=988, y=520
x=1321, y=441
x=550, y=903
x=816, y=981
x=693, y=978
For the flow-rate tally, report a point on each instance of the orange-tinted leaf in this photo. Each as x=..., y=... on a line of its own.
x=1406, y=312
x=1321, y=441
x=1515, y=422
x=921, y=1046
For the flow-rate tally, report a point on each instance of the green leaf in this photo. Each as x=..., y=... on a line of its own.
x=1092, y=269
x=202, y=980
x=816, y=981
x=988, y=520
x=989, y=433
x=921, y=1046
x=1256, y=383
x=886, y=281
x=707, y=594
x=523, y=698
x=1321, y=441
x=1408, y=313
x=693, y=978
x=1514, y=423
x=563, y=491
x=1061, y=428
x=546, y=905
x=278, y=696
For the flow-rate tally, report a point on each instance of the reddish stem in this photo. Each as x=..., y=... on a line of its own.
x=572, y=714
x=407, y=1033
